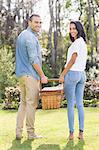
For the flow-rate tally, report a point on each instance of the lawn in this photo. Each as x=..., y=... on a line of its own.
x=52, y=125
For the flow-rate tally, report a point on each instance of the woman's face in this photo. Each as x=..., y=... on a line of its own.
x=73, y=31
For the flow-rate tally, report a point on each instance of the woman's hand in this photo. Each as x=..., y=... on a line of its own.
x=61, y=79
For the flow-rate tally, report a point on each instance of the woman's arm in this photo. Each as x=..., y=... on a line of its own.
x=69, y=65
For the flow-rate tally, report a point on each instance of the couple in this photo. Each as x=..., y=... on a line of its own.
x=30, y=74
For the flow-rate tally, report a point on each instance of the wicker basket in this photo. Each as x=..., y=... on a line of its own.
x=51, y=97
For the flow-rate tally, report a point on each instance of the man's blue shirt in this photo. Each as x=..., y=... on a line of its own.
x=28, y=52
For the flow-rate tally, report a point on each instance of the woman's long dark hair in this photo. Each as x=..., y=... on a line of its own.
x=80, y=30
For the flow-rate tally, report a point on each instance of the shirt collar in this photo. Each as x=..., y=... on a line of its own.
x=29, y=29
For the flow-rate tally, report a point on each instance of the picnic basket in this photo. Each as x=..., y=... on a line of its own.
x=51, y=96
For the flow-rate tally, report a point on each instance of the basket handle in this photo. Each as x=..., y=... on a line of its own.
x=53, y=80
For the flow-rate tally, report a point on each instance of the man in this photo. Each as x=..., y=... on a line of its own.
x=30, y=73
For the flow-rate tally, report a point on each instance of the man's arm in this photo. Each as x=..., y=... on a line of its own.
x=34, y=59
x=69, y=65
x=39, y=70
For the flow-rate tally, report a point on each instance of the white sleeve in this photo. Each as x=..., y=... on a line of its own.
x=75, y=48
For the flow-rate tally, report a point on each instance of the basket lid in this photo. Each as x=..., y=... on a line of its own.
x=52, y=89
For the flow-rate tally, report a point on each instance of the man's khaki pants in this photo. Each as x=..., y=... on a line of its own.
x=29, y=87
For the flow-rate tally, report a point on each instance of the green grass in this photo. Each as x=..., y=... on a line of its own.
x=53, y=126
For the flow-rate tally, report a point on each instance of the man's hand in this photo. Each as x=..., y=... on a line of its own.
x=39, y=70
x=61, y=79
x=44, y=79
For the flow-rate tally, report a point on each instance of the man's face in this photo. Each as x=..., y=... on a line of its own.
x=35, y=23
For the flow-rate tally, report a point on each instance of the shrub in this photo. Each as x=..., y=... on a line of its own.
x=7, y=76
x=12, y=98
x=91, y=96
x=92, y=68
x=64, y=103
x=91, y=90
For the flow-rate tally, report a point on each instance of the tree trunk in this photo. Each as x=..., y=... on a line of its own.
x=95, y=27
x=91, y=29
x=54, y=33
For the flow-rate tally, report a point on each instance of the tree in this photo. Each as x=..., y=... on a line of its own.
x=89, y=15
x=55, y=44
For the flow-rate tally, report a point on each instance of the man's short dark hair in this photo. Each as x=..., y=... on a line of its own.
x=33, y=15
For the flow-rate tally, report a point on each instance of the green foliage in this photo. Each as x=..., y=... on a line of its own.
x=87, y=103
x=1, y=100
x=12, y=98
x=68, y=4
x=64, y=103
x=54, y=69
x=91, y=103
x=47, y=70
x=7, y=76
x=92, y=68
x=91, y=96
x=91, y=90
x=43, y=39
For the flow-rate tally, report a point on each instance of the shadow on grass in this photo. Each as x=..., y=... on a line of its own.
x=48, y=147
x=70, y=145
x=18, y=145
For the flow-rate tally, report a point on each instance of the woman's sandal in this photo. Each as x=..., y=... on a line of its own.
x=71, y=136
x=80, y=136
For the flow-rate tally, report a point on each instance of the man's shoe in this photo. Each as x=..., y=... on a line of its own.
x=34, y=136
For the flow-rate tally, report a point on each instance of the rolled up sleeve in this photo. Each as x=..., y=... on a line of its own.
x=75, y=48
x=32, y=50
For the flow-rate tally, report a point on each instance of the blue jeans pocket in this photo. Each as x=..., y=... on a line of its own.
x=73, y=76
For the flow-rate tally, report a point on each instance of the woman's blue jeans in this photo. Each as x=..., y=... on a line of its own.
x=74, y=88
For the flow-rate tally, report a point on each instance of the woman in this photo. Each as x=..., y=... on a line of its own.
x=74, y=77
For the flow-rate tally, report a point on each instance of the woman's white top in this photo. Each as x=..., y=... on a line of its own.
x=78, y=46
